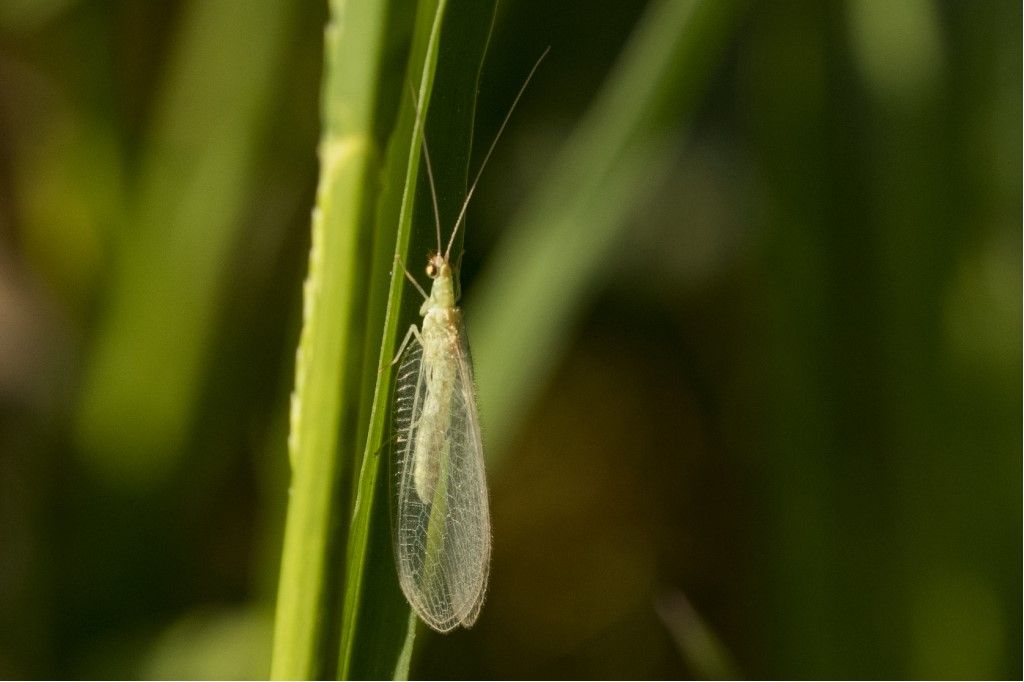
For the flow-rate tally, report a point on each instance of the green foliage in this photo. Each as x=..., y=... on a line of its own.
x=747, y=353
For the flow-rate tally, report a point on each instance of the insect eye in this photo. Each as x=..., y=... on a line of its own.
x=431, y=270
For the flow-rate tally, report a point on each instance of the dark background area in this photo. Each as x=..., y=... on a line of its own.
x=785, y=440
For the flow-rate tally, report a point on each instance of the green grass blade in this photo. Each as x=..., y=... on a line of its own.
x=399, y=193
x=449, y=42
x=524, y=305
x=324, y=434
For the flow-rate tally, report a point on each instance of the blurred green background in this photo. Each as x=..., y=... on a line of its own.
x=783, y=438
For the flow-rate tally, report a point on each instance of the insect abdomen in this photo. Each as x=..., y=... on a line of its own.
x=440, y=366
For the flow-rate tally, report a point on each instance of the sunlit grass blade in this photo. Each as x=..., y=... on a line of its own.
x=324, y=436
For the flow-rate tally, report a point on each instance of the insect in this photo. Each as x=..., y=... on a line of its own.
x=441, y=523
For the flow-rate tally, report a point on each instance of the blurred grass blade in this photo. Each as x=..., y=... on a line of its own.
x=356, y=112
x=166, y=281
x=700, y=647
x=524, y=305
x=449, y=42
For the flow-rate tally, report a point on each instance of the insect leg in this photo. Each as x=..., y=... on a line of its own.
x=408, y=276
x=413, y=332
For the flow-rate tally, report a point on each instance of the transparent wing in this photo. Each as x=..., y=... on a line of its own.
x=442, y=542
x=409, y=390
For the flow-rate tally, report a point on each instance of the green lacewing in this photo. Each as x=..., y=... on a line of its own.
x=441, y=525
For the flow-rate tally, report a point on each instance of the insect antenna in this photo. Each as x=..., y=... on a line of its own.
x=430, y=170
x=487, y=156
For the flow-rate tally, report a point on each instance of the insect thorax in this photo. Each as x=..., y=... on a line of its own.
x=440, y=329
x=442, y=291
